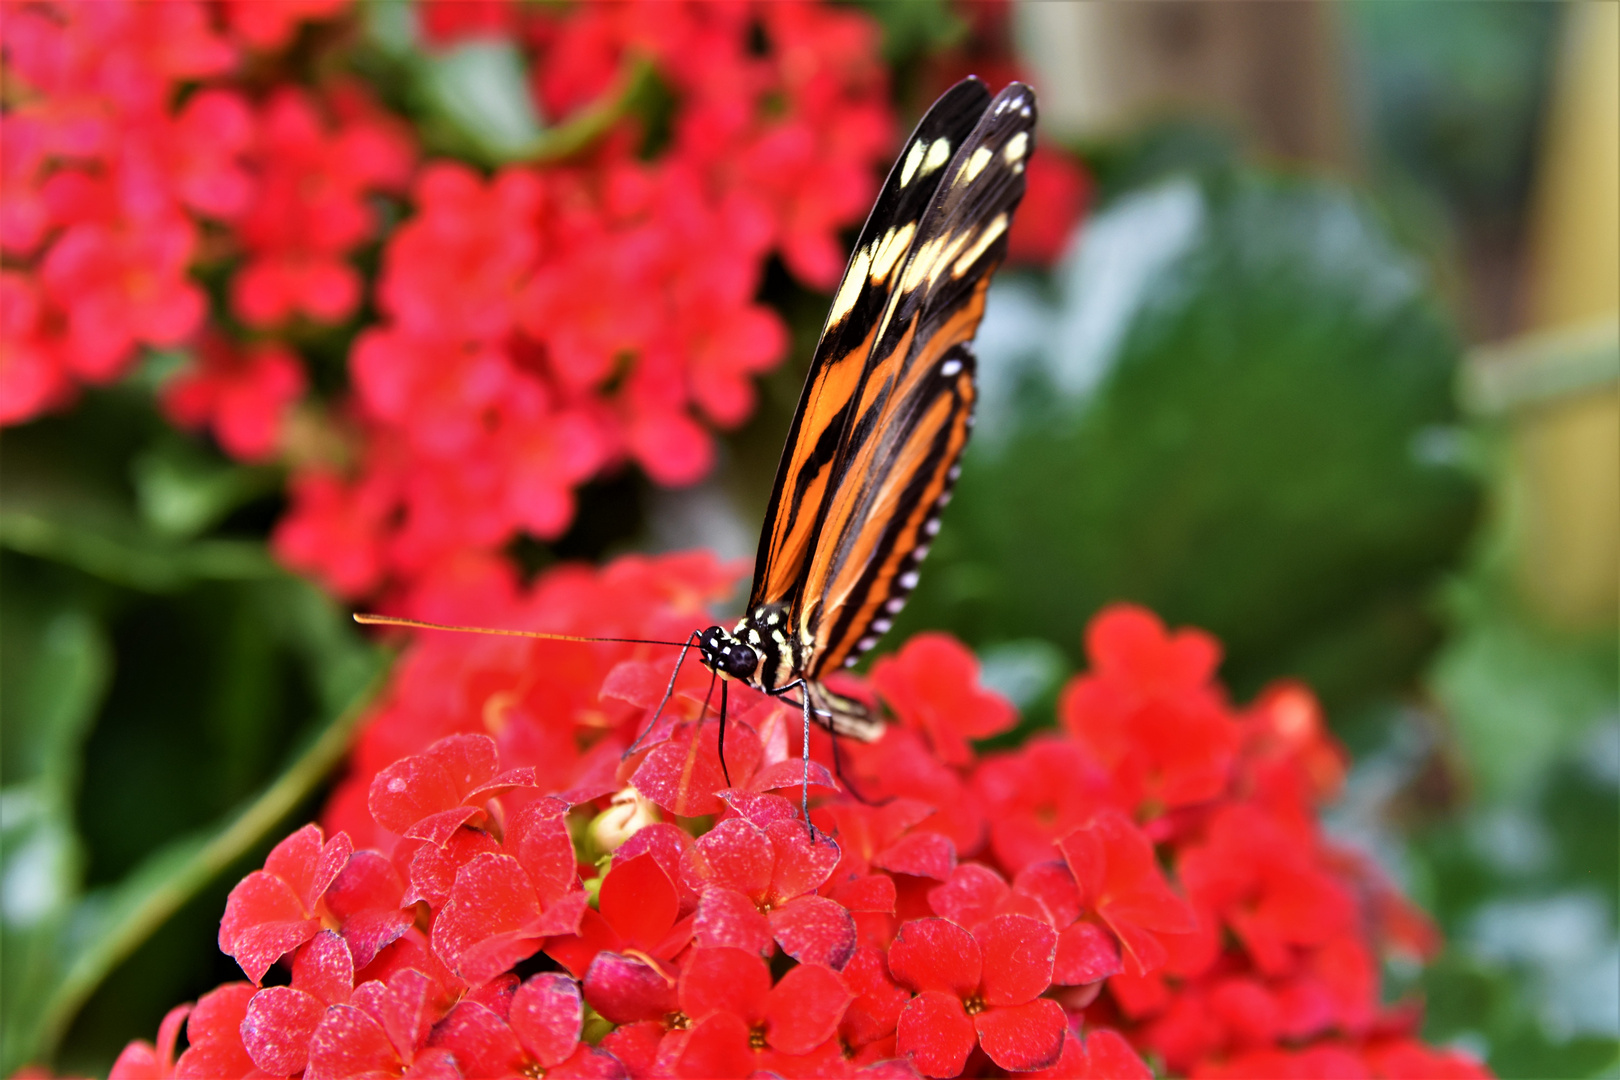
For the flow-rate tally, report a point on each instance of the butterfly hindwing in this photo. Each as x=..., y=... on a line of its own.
x=913, y=409
x=805, y=476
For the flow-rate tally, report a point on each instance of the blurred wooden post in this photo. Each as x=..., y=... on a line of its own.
x=1269, y=70
x=1560, y=384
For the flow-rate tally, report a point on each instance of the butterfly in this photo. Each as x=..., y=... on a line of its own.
x=875, y=444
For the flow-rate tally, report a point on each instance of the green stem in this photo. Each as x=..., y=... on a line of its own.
x=197, y=864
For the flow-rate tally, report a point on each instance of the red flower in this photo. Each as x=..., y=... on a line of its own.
x=244, y=396
x=1149, y=712
x=274, y=910
x=740, y=1023
x=932, y=684
x=1119, y=878
x=272, y=26
x=980, y=988
x=758, y=884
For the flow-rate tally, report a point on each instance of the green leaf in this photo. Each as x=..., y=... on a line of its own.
x=182, y=492
x=482, y=88
x=1231, y=403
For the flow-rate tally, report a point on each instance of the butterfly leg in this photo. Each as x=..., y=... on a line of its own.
x=723, y=769
x=669, y=692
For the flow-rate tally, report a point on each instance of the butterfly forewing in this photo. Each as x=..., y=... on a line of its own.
x=807, y=476
x=914, y=406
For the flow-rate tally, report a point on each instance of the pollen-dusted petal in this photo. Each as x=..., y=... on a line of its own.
x=724, y=980
x=1018, y=951
x=682, y=774
x=760, y=809
x=546, y=1015
x=481, y=1041
x=307, y=864
x=869, y=892
x=970, y=896
x=716, y=1047
x=438, y=828
x=803, y=859
x=410, y=790
x=471, y=760
x=349, y=1042
x=277, y=1029
x=492, y=897
x=1085, y=953
x=936, y=954
x=790, y=774
x=921, y=854
x=433, y=867
x=725, y=917
x=735, y=854
x=635, y=1045
x=814, y=930
x=640, y=682
x=664, y=842
x=625, y=989
x=639, y=900
x=540, y=841
x=803, y=1010
x=263, y=921
x=324, y=967
x=405, y=1005
x=1024, y=1037
x=935, y=1034
x=368, y=880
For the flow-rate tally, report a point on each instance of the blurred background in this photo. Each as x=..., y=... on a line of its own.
x=1311, y=338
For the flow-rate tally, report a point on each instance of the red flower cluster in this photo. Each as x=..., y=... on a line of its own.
x=534, y=327
x=1151, y=880
x=547, y=323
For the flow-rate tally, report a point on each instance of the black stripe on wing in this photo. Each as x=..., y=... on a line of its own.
x=805, y=476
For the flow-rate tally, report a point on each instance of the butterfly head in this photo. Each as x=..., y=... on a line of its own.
x=722, y=652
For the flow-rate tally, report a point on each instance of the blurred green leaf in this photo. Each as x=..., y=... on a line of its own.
x=1233, y=404
x=182, y=492
x=482, y=88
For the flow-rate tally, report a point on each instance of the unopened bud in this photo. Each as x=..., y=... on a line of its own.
x=620, y=821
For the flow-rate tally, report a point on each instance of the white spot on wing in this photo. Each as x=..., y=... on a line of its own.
x=850, y=290
x=975, y=165
x=894, y=244
x=865, y=643
x=1016, y=147
x=950, y=367
x=931, y=526
x=908, y=580
x=988, y=237
x=881, y=626
x=894, y=605
x=920, y=553
x=939, y=152
x=914, y=158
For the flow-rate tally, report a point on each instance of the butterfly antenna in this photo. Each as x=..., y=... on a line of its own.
x=416, y=624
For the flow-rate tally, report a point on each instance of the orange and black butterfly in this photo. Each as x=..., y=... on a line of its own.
x=874, y=446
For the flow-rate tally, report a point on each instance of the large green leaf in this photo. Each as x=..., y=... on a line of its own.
x=1233, y=404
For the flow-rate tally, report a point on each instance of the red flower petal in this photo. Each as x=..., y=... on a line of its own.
x=934, y=954
x=724, y=980
x=278, y=1027
x=1085, y=953
x=1020, y=951
x=1023, y=1037
x=871, y=892
x=308, y=865
x=803, y=1010
x=639, y=900
x=349, y=1042
x=681, y=775
x=803, y=860
x=492, y=898
x=546, y=1015
x=814, y=930
x=263, y=921
x=935, y=1034
x=735, y=854
x=758, y=808
x=970, y=896
x=482, y=1043
x=879, y=1002
x=726, y=917
x=921, y=854
x=538, y=836
x=624, y=989
x=410, y=790
x=716, y=1047
x=324, y=968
